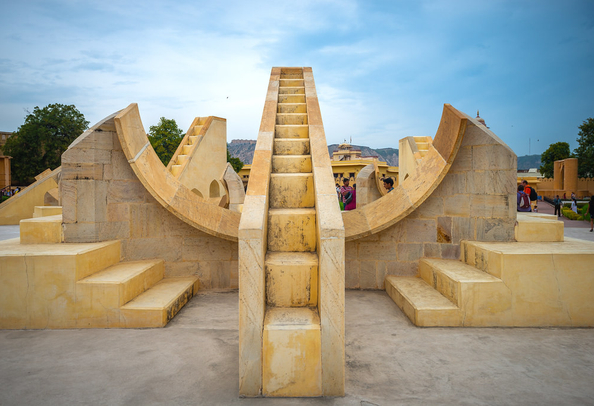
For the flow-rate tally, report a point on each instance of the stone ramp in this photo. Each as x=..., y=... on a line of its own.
x=22, y=205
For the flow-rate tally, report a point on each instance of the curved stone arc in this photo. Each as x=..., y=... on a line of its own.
x=413, y=191
x=164, y=187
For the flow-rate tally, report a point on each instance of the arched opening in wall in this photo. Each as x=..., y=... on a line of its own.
x=215, y=190
x=196, y=191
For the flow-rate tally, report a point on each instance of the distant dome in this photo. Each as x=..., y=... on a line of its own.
x=479, y=119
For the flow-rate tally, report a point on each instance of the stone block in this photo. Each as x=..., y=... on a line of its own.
x=82, y=171
x=410, y=252
x=457, y=205
x=493, y=157
x=490, y=206
x=292, y=353
x=401, y=268
x=450, y=251
x=121, y=169
x=495, y=229
x=126, y=191
x=352, y=274
x=80, y=232
x=463, y=161
x=113, y=230
x=145, y=220
x=385, y=251
x=463, y=228
x=91, y=203
x=89, y=156
x=432, y=250
x=118, y=212
x=396, y=233
x=491, y=182
x=453, y=184
x=431, y=208
x=368, y=275
x=418, y=230
x=169, y=249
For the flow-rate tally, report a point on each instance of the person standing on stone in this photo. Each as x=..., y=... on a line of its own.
x=557, y=203
x=523, y=200
x=348, y=195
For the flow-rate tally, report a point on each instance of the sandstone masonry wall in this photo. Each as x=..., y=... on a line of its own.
x=475, y=201
x=102, y=199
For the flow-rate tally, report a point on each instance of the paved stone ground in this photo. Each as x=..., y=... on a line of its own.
x=193, y=361
x=572, y=228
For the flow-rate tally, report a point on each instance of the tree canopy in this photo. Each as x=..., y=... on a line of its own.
x=39, y=143
x=165, y=138
x=555, y=152
x=585, y=150
x=235, y=162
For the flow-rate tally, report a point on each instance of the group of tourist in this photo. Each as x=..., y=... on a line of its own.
x=347, y=195
x=527, y=202
x=8, y=192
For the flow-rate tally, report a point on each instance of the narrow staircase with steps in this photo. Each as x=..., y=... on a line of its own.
x=187, y=145
x=542, y=279
x=291, y=339
x=45, y=283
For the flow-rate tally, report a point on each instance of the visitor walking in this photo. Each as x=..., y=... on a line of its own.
x=532, y=195
x=574, y=207
x=591, y=212
x=557, y=202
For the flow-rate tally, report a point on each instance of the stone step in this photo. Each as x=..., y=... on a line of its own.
x=192, y=139
x=196, y=129
x=37, y=281
x=532, y=227
x=176, y=169
x=291, y=108
x=292, y=75
x=42, y=230
x=44, y=211
x=292, y=353
x=291, y=190
x=291, y=118
x=422, y=304
x=291, y=98
x=291, y=82
x=120, y=283
x=291, y=146
x=159, y=304
x=482, y=298
x=551, y=283
x=186, y=149
x=291, y=131
x=291, y=90
x=291, y=279
x=291, y=163
x=181, y=159
x=292, y=230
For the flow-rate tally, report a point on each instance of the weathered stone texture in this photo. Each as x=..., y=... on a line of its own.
x=475, y=201
x=104, y=200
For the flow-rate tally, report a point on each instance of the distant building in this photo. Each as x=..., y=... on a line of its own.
x=5, y=174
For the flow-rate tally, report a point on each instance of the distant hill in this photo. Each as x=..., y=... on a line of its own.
x=389, y=155
x=528, y=162
x=244, y=150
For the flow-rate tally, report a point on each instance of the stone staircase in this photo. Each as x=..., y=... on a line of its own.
x=292, y=339
x=45, y=283
x=422, y=145
x=188, y=143
x=540, y=280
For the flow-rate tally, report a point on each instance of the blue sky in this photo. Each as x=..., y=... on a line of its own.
x=383, y=69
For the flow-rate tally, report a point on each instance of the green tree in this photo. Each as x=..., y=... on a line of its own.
x=165, y=138
x=585, y=150
x=39, y=143
x=235, y=162
x=557, y=151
